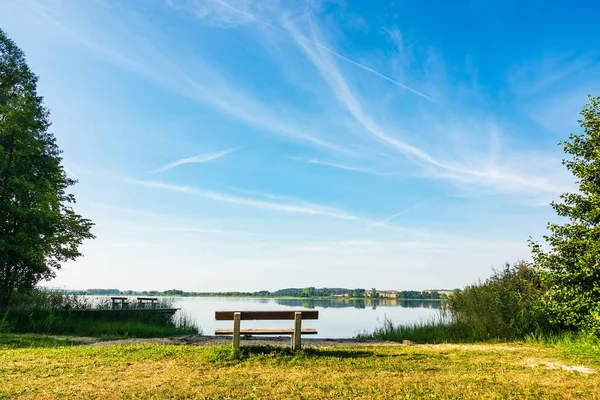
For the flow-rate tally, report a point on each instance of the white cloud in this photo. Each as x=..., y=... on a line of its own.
x=207, y=84
x=192, y=76
x=203, y=230
x=388, y=219
x=342, y=166
x=299, y=207
x=200, y=158
x=500, y=177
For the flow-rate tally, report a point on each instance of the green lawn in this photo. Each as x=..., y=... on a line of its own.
x=33, y=367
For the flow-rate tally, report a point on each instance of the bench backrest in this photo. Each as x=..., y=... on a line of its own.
x=265, y=315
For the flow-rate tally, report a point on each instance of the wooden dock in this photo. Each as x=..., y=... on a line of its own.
x=120, y=313
x=170, y=311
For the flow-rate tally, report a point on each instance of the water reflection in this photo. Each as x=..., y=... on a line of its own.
x=338, y=317
x=355, y=303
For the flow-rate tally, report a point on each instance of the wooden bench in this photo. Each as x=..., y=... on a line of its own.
x=119, y=302
x=237, y=316
x=147, y=301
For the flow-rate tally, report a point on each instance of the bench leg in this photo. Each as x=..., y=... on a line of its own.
x=236, y=330
x=297, y=335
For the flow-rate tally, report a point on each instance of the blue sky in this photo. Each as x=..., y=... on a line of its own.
x=246, y=145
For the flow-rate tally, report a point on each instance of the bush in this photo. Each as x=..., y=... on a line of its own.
x=507, y=305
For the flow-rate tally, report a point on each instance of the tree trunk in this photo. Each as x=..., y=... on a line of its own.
x=4, y=302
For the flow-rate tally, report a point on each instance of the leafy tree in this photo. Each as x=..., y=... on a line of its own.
x=570, y=268
x=323, y=292
x=38, y=228
x=308, y=292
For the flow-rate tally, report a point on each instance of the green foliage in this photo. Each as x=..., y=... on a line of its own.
x=436, y=331
x=357, y=293
x=570, y=268
x=424, y=295
x=52, y=312
x=39, y=229
x=44, y=299
x=124, y=324
x=507, y=305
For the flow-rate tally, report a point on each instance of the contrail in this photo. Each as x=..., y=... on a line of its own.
x=388, y=219
x=200, y=158
x=331, y=51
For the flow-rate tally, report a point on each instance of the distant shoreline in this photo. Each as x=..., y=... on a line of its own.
x=260, y=297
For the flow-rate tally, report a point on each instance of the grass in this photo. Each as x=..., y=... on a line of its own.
x=11, y=341
x=50, y=312
x=125, y=324
x=473, y=371
x=434, y=331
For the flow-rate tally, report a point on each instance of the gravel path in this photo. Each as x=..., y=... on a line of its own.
x=203, y=340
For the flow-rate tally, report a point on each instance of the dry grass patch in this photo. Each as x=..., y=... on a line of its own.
x=369, y=372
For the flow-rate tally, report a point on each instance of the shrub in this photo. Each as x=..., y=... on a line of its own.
x=507, y=305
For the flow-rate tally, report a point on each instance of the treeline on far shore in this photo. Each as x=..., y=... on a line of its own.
x=308, y=292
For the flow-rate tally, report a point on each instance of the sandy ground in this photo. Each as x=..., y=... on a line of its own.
x=204, y=340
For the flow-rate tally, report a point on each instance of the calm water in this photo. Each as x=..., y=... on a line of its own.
x=338, y=318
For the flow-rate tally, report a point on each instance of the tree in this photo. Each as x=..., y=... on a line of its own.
x=570, y=268
x=39, y=229
x=308, y=292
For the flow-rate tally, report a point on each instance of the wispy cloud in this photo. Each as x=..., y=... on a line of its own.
x=70, y=173
x=221, y=13
x=371, y=70
x=345, y=95
x=388, y=219
x=198, y=79
x=200, y=158
x=299, y=207
x=193, y=77
x=342, y=166
x=357, y=246
x=502, y=178
x=203, y=230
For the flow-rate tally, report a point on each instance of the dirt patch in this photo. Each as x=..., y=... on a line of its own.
x=202, y=340
x=79, y=339
x=564, y=367
x=206, y=340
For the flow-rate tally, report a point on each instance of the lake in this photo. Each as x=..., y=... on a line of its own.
x=338, y=318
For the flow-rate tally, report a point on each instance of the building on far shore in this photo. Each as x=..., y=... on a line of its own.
x=394, y=294
x=384, y=294
x=442, y=291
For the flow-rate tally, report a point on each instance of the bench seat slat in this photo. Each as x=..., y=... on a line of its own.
x=259, y=331
x=265, y=315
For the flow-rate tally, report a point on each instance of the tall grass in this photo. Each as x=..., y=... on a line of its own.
x=433, y=331
x=51, y=312
x=506, y=306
